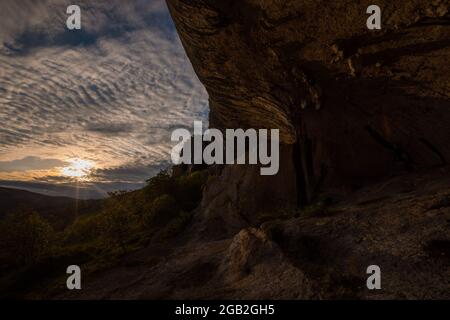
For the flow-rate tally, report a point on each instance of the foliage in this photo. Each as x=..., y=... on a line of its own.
x=126, y=221
x=117, y=223
x=25, y=238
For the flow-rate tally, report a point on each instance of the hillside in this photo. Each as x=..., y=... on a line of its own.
x=35, y=250
x=59, y=211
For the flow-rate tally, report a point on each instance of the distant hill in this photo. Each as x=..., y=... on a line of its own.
x=59, y=211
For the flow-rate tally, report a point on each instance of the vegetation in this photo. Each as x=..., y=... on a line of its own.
x=25, y=238
x=127, y=221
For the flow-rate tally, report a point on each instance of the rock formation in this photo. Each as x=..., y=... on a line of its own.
x=352, y=104
x=400, y=224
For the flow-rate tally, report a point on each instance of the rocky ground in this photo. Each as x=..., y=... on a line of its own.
x=401, y=224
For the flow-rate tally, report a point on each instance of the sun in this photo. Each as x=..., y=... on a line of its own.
x=78, y=169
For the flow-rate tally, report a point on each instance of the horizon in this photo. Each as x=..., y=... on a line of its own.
x=91, y=116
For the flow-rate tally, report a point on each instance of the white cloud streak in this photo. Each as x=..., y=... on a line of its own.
x=111, y=94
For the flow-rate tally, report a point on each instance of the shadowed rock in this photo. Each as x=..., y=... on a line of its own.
x=352, y=104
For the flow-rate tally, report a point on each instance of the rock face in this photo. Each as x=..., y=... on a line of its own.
x=351, y=103
x=400, y=224
x=239, y=196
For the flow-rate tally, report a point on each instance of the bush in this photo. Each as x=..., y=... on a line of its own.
x=117, y=223
x=172, y=198
x=25, y=238
x=161, y=211
x=162, y=183
x=84, y=229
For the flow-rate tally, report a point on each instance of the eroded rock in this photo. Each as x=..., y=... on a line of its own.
x=380, y=99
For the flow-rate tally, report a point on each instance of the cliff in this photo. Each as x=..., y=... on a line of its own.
x=364, y=118
x=353, y=105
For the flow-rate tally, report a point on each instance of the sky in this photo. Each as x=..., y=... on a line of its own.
x=90, y=111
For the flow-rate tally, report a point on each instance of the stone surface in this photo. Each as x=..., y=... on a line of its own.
x=239, y=196
x=400, y=224
x=367, y=103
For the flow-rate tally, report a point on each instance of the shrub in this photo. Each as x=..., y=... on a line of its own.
x=161, y=211
x=25, y=238
x=117, y=223
x=162, y=183
x=83, y=229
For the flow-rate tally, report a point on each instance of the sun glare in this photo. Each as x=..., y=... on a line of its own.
x=78, y=168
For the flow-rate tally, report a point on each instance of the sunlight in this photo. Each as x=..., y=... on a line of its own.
x=78, y=169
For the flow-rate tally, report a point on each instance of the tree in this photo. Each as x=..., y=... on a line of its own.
x=25, y=238
x=118, y=222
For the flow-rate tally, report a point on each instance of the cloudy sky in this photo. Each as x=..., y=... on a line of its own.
x=92, y=108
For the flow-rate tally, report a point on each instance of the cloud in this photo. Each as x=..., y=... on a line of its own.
x=110, y=129
x=136, y=173
x=30, y=163
x=111, y=94
x=27, y=24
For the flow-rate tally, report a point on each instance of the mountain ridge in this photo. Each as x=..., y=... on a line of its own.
x=58, y=210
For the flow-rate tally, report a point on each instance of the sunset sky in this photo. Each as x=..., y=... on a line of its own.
x=94, y=109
